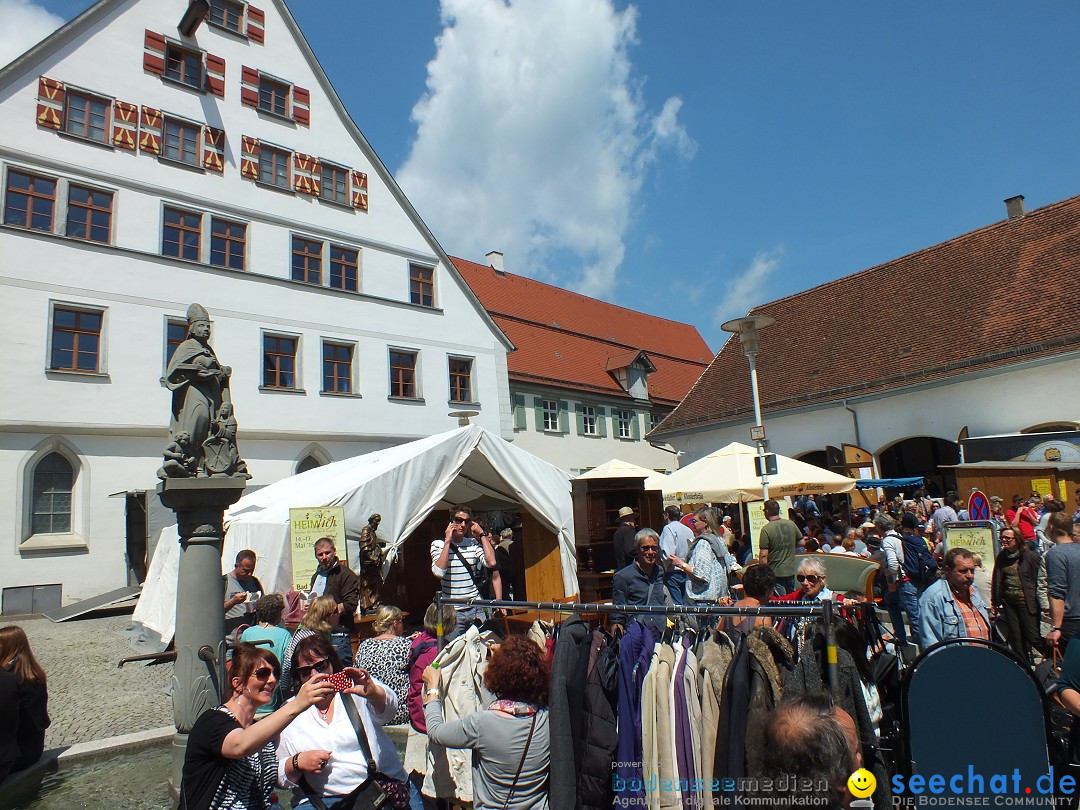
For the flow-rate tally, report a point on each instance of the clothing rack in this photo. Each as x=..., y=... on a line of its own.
x=824, y=609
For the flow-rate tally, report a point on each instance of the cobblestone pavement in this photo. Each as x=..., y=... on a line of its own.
x=89, y=698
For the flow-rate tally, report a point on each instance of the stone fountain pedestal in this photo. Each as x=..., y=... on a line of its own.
x=199, y=670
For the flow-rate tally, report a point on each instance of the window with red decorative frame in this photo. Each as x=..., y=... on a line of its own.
x=273, y=96
x=181, y=142
x=335, y=183
x=86, y=116
x=274, y=166
x=228, y=15
x=184, y=65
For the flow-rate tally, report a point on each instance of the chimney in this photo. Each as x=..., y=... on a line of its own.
x=495, y=260
x=1015, y=206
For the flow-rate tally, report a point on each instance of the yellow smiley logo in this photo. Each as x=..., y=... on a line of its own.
x=861, y=783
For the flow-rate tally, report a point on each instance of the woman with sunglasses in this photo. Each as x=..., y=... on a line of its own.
x=811, y=583
x=230, y=762
x=709, y=563
x=322, y=747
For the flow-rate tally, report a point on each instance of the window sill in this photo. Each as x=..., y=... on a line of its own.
x=86, y=139
x=453, y=403
x=406, y=400
x=268, y=389
x=344, y=206
x=340, y=394
x=68, y=372
x=180, y=164
x=590, y=435
x=279, y=117
x=226, y=30
x=198, y=89
x=53, y=542
x=283, y=189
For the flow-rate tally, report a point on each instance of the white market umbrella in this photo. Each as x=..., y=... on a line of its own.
x=727, y=476
x=616, y=468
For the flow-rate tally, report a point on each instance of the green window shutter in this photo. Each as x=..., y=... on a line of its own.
x=538, y=410
x=635, y=426
x=601, y=421
x=564, y=416
x=519, y=412
x=579, y=411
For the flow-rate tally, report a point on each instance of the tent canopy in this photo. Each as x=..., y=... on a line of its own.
x=403, y=484
x=616, y=468
x=874, y=483
x=727, y=476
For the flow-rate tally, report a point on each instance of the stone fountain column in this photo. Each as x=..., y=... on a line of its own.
x=199, y=670
x=202, y=474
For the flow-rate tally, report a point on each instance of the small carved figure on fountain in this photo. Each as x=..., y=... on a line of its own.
x=179, y=458
x=220, y=453
x=200, y=388
x=371, y=560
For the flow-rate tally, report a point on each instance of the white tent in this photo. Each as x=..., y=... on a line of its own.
x=616, y=468
x=727, y=476
x=403, y=484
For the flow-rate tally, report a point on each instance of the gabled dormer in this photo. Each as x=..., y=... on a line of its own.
x=631, y=369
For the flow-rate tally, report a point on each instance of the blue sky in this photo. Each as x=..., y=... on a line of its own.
x=693, y=158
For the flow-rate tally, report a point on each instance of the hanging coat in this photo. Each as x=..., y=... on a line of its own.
x=569, y=669
x=599, y=729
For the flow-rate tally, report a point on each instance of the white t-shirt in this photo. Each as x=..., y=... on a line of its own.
x=347, y=767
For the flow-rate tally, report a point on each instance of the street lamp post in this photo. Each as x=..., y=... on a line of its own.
x=747, y=329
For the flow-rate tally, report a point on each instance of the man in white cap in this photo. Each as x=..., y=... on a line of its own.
x=624, y=538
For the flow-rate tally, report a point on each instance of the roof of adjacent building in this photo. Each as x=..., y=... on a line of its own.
x=989, y=298
x=568, y=340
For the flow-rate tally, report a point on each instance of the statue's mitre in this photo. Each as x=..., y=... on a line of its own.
x=196, y=313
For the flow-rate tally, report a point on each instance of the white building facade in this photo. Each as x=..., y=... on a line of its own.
x=144, y=170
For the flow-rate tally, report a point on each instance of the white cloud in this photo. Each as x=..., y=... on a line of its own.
x=533, y=137
x=24, y=25
x=748, y=288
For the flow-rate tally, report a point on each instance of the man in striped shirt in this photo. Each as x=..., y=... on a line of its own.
x=457, y=559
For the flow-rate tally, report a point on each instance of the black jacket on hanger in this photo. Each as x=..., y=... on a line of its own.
x=569, y=668
x=600, y=732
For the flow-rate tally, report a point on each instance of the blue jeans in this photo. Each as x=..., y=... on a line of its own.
x=676, y=586
x=343, y=644
x=905, y=599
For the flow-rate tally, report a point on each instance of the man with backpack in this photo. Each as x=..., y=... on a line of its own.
x=919, y=564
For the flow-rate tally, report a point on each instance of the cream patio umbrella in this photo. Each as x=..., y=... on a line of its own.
x=727, y=476
x=617, y=468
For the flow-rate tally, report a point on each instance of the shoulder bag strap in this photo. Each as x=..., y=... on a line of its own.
x=361, y=734
x=469, y=568
x=524, y=754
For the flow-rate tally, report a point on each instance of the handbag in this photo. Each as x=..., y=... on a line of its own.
x=482, y=581
x=376, y=792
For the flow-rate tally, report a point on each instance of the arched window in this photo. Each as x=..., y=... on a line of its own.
x=54, y=479
x=308, y=462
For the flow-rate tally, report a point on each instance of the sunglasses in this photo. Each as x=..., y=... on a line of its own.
x=263, y=673
x=459, y=520
x=811, y=578
x=650, y=549
x=303, y=673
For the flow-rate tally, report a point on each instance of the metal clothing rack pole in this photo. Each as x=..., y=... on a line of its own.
x=823, y=609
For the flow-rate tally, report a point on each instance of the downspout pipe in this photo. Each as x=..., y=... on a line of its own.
x=854, y=422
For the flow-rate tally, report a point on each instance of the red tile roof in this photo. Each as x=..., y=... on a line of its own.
x=983, y=300
x=569, y=340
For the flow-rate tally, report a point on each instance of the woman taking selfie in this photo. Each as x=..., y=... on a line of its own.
x=321, y=753
x=230, y=762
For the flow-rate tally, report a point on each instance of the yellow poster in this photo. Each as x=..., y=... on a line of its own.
x=976, y=539
x=1044, y=486
x=756, y=513
x=307, y=525
x=1064, y=491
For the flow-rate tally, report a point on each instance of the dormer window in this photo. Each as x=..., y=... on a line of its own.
x=228, y=15
x=632, y=370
